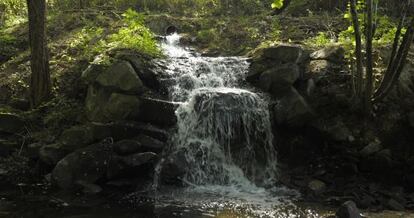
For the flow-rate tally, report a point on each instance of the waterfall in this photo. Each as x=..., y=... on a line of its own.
x=224, y=131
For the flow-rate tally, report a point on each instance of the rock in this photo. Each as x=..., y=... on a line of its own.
x=89, y=188
x=394, y=205
x=125, y=147
x=150, y=144
x=292, y=110
x=122, y=107
x=143, y=68
x=102, y=106
x=87, y=165
x=317, y=186
x=92, y=72
x=157, y=112
x=284, y=53
x=370, y=149
x=334, y=54
x=121, y=77
x=348, y=210
x=34, y=149
x=411, y=119
x=96, y=99
x=52, y=154
x=11, y=123
x=257, y=67
x=77, y=137
x=137, y=160
x=317, y=69
x=174, y=168
x=278, y=80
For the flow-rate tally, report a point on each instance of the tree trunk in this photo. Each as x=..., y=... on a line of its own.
x=40, y=87
x=358, y=48
x=369, y=67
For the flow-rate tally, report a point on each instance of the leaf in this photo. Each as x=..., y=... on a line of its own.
x=277, y=4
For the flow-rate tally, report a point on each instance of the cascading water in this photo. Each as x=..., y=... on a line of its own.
x=224, y=132
x=223, y=142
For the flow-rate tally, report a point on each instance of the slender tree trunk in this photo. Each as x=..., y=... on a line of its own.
x=400, y=61
x=358, y=49
x=40, y=86
x=369, y=66
x=391, y=64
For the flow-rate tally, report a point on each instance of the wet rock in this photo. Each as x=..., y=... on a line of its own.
x=174, y=168
x=284, y=53
x=86, y=165
x=257, y=67
x=140, y=159
x=33, y=150
x=292, y=110
x=142, y=143
x=334, y=54
x=394, y=205
x=96, y=99
x=335, y=129
x=278, y=80
x=348, y=210
x=157, y=112
x=370, y=149
x=52, y=154
x=11, y=123
x=317, y=186
x=121, y=77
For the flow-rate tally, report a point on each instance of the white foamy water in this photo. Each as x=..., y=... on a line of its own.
x=224, y=136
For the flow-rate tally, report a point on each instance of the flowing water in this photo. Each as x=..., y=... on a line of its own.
x=224, y=138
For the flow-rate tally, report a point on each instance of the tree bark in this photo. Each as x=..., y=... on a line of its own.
x=369, y=67
x=358, y=48
x=40, y=86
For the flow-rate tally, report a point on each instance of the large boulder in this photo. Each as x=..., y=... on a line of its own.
x=348, y=210
x=142, y=143
x=284, y=53
x=278, y=80
x=292, y=109
x=11, y=123
x=157, y=111
x=334, y=54
x=121, y=77
x=317, y=69
x=103, y=106
x=52, y=154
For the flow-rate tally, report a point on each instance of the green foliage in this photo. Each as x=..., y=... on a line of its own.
x=134, y=35
x=277, y=4
x=320, y=40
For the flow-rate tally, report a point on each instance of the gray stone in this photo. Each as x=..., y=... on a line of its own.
x=121, y=107
x=284, y=53
x=121, y=77
x=89, y=188
x=77, y=137
x=139, y=159
x=150, y=144
x=257, y=67
x=292, y=110
x=127, y=146
x=334, y=54
x=348, y=210
x=11, y=123
x=278, y=80
x=157, y=112
x=86, y=165
x=92, y=72
x=96, y=100
x=318, y=69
